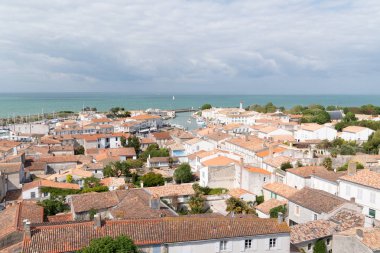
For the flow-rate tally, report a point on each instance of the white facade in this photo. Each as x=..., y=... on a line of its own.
x=276, y=132
x=296, y=181
x=323, y=133
x=365, y=196
x=34, y=193
x=324, y=185
x=359, y=136
x=260, y=244
x=254, y=181
x=191, y=148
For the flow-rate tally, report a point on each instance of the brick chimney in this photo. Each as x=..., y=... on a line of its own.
x=351, y=168
x=154, y=202
x=280, y=217
x=27, y=230
x=97, y=221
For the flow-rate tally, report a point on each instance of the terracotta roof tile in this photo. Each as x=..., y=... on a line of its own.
x=364, y=177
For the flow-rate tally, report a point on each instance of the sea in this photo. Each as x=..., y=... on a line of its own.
x=14, y=104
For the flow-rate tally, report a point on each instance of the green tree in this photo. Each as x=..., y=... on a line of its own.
x=55, y=204
x=123, y=141
x=79, y=150
x=91, y=182
x=183, y=174
x=238, y=206
x=350, y=117
x=69, y=178
x=327, y=163
x=206, y=106
x=197, y=204
x=372, y=145
x=320, y=247
x=134, y=142
x=286, y=165
x=275, y=210
x=152, y=179
x=154, y=151
x=111, y=245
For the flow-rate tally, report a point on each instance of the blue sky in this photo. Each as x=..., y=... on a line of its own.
x=191, y=46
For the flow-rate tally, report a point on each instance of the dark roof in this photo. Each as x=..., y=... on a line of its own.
x=336, y=115
x=316, y=200
x=72, y=237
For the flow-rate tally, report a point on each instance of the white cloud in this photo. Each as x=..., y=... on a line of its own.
x=146, y=44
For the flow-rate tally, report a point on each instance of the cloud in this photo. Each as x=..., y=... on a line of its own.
x=267, y=46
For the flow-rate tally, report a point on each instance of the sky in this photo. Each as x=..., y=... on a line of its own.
x=191, y=46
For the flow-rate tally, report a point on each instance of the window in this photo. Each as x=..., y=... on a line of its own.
x=373, y=198
x=315, y=216
x=309, y=246
x=360, y=194
x=328, y=241
x=32, y=195
x=372, y=213
x=273, y=195
x=223, y=245
x=272, y=243
x=248, y=244
x=264, y=179
x=297, y=210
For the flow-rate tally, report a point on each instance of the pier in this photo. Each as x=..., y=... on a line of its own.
x=185, y=110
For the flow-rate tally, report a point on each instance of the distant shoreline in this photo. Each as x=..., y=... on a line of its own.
x=22, y=104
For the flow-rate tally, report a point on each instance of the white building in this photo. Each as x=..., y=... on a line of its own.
x=363, y=187
x=301, y=177
x=356, y=133
x=182, y=234
x=33, y=190
x=196, y=144
x=253, y=179
x=315, y=131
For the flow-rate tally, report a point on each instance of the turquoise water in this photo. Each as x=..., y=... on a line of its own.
x=34, y=103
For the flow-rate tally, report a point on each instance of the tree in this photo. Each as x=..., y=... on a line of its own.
x=55, y=204
x=69, y=178
x=123, y=141
x=349, y=117
x=79, y=150
x=111, y=245
x=152, y=179
x=206, y=107
x=286, y=165
x=238, y=206
x=320, y=247
x=118, y=168
x=91, y=182
x=327, y=163
x=197, y=204
x=183, y=174
x=134, y=142
x=275, y=210
x=372, y=145
x=154, y=151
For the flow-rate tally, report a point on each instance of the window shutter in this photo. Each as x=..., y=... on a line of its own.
x=254, y=244
x=242, y=245
x=217, y=246
x=278, y=243
x=229, y=245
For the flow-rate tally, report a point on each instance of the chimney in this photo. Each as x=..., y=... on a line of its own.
x=154, y=202
x=271, y=151
x=28, y=232
x=141, y=184
x=97, y=221
x=280, y=217
x=369, y=222
x=360, y=233
x=351, y=168
x=352, y=199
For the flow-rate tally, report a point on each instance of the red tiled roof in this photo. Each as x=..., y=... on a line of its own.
x=72, y=237
x=48, y=183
